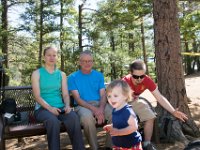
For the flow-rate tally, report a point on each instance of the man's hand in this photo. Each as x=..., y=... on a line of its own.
x=99, y=114
x=180, y=115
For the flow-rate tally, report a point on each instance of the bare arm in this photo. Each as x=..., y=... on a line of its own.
x=65, y=93
x=163, y=101
x=97, y=111
x=83, y=103
x=103, y=99
x=165, y=104
x=80, y=101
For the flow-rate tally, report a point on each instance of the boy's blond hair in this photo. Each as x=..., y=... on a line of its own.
x=126, y=90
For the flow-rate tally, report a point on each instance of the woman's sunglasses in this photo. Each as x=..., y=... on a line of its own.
x=137, y=77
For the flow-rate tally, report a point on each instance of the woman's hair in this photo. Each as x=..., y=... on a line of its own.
x=137, y=65
x=126, y=90
x=48, y=48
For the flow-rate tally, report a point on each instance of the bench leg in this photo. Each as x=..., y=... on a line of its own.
x=2, y=141
x=2, y=144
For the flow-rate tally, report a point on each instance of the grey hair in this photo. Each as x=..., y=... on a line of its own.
x=86, y=52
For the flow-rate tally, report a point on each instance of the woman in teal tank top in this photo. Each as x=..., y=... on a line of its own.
x=52, y=103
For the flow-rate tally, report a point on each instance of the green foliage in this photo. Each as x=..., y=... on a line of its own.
x=112, y=32
x=24, y=57
x=190, y=25
x=114, y=21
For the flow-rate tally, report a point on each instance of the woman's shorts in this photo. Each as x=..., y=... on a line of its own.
x=143, y=109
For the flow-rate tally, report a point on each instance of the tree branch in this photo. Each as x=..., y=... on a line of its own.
x=16, y=3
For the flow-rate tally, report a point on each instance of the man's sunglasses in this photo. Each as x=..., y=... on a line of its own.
x=137, y=77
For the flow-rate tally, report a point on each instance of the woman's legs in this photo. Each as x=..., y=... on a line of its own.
x=73, y=128
x=52, y=125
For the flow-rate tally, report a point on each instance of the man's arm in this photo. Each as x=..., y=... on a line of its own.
x=97, y=111
x=163, y=101
x=100, y=112
x=165, y=104
x=103, y=99
x=80, y=101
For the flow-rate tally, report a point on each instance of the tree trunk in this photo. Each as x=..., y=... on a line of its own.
x=41, y=33
x=61, y=36
x=169, y=70
x=4, y=34
x=4, y=37
x=143, y=45
x=80, y=7
x=113, y=66
x=131, y=44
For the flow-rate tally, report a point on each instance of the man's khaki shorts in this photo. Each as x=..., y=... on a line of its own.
x=142, y=109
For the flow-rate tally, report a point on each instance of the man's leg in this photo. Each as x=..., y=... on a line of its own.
x=148, y=129
x=108, y=117
x=146, y=115
x=88, y=122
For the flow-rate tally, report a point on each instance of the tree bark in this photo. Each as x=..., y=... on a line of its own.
x=113, y=66
x=41, y=33
x=131, y=44
x=143, y=45
x=4, y=36
x=80, y=7
x=4, y=19
x=61, y=36
x=169, y=70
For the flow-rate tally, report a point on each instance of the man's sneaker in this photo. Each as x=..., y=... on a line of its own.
x=149, y=146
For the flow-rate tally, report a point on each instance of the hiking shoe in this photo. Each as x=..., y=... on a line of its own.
x=149, y=146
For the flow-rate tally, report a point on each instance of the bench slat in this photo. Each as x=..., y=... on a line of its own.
x=26, y=130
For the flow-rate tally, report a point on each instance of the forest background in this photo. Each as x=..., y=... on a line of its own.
x=117, y=32
x=164, y=33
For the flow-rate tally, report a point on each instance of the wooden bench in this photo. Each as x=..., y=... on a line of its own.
x=28, y=125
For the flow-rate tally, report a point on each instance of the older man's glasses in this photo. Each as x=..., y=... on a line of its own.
x=86, y=61
x=137, y=77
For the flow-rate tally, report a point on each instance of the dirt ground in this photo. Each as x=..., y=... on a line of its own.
x=39, y=142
